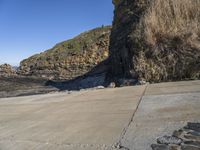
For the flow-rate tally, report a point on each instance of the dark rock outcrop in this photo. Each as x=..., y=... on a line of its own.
x=72, y=58
x=152, y=41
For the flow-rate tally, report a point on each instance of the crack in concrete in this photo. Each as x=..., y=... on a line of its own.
x=118, y=144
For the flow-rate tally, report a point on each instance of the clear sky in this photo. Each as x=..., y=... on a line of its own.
x=28, y=27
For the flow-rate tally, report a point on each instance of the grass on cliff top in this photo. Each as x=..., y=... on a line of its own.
x=173, y=18
x=78, y=42
x=83, y=39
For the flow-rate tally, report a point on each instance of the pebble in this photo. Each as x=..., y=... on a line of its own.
x=178, y=133
x=100, y=87
x=112, y=85
x=159, y=147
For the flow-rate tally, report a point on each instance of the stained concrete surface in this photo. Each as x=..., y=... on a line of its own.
x=132, y=117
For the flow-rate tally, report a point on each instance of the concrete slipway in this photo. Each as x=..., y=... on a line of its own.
x=132, y=117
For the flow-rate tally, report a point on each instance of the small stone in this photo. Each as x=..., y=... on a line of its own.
x=69, y=92
x=193, y=126
x=178, y=133
x=142, y=82
x=169, y=140
x=159, y=147
x=189, y=147
x=193, y=143
x=112, y=85
x=195, y=133
x=192, y=137
x=174, y=147
x=100, y=87
x=127, y=82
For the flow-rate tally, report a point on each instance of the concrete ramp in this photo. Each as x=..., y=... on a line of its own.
x=165, y=107
x=80, y=120
x=129, y=118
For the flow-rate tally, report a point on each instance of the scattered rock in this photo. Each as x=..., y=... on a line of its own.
x=178, y=133
x=100, y=87
x=193, y=143
x=189, y=147
x=195, y=133
x=127, y=82
x=174, y=147
x=192, y=136
x=112, y=85
x=118, y=146
x=169, y=140
x=193, y=126
x=187, y=138
x=159, y=147
x=141, y=82
x=7, y=70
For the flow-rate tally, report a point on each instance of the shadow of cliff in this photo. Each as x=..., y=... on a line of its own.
x=94, y=78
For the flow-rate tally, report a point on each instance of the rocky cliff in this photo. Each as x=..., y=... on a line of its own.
x=155, y=40
x=70, y=58
x=7, y=70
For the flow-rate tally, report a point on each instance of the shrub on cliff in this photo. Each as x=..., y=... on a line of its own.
x=173, y=19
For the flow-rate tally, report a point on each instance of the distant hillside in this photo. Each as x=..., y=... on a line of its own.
x=70, y=58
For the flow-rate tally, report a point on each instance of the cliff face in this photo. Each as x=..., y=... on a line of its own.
x=71, y=58
x=155, y=40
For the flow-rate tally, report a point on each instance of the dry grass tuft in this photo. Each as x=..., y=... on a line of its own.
x=173, y=18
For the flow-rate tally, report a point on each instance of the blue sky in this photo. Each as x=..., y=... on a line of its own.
x=28, y=27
